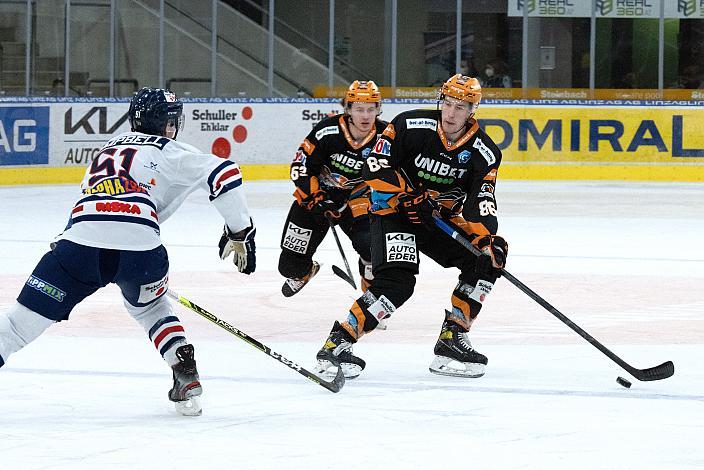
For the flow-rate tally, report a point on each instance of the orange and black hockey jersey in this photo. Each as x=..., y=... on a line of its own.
x=330, y=159
x=413, y=154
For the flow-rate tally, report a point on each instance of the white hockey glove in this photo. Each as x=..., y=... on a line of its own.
x=242, y=244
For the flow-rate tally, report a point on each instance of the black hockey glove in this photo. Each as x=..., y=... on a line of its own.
x=242, y=244
x=494, y=252
x=324, y=207
x=417, y=207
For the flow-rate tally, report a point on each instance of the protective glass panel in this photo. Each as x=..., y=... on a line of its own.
x=363, y=41
x=301, y=55
x=136, y=46
x=426, y=43
x=48, y=47
x=626, y=53
x=13, y=38
x=187, y=40
x=243, y=50
x=491, y=44
x=89, y=32
x=558, y=52
x=684, y=53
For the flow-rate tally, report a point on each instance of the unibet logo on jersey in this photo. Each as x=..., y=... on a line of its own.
x=24, y=135
x=401, y=247
x=296, y=238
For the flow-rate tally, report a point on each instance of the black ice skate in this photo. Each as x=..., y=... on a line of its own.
x=293, y=285
x=337, y=352
x=186, y=389
x=454, y=354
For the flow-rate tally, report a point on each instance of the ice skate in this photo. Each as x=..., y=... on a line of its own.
x=293, y=285
x=454, y=354
x=186, y=390
x=337, y=352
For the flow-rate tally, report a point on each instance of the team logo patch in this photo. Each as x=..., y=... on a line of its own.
x=401, y=247
x=481, y=291
x=485, y=151
x=154, y=290
x=46, y=288
x=366, y=151
x=421, y=123
x=382, y=147
x=487, y=190
x=464, y=155
x=296, y=238
x=327, y=131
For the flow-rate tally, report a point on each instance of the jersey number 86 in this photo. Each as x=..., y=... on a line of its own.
x=487, y=208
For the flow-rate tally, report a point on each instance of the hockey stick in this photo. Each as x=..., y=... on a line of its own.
x=663, y=371
x=347, y=277
x=334, y=386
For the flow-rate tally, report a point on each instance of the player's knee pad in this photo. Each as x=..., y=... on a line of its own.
x=294, y=266
x=395, y=284
x=19, y=326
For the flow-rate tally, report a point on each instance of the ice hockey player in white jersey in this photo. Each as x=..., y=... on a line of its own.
x=137, y=181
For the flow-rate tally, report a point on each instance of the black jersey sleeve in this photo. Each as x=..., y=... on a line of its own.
x=480, y=206
x=310, y=159
x=382, y=166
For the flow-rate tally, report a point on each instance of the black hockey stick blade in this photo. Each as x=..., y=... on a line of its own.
x=663, y=371
x=334, y=386
x=340, y=273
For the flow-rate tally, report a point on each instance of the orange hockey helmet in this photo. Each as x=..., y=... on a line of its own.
x=362, y=91
x=462, y=87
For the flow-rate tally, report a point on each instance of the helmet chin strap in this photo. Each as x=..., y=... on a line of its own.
x=460, y=132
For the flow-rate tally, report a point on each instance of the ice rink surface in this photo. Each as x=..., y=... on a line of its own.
x=625, y=261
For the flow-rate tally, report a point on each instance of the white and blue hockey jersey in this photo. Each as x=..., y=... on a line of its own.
x=138, y=180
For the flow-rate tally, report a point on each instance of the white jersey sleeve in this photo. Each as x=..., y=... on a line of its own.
x=138, y=181
x=222, y=180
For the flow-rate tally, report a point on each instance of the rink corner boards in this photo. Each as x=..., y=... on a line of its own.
x=509, y=171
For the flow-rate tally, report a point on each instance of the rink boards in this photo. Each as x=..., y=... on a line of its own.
x=51, y=140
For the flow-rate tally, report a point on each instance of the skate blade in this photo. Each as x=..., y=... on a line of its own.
x=190, y=407
x=451, y=368
x=328, y=370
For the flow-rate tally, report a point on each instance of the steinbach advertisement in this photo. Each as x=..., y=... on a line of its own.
x=269, y=133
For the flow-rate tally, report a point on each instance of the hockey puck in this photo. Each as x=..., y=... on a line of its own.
x=623, y=382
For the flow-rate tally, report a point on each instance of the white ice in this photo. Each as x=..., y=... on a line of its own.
x=625, y=261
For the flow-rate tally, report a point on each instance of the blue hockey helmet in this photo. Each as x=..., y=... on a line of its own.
x=151, y=109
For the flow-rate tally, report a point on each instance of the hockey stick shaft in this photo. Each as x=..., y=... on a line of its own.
x=338, y=271
x=662, y=371
x=334, y=386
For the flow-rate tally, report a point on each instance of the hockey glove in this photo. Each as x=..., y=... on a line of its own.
x=417, y=207
x=323, y=206
x=242, y=244
x=494, y=252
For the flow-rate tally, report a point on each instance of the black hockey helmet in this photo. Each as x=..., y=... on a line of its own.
x=151, y=109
